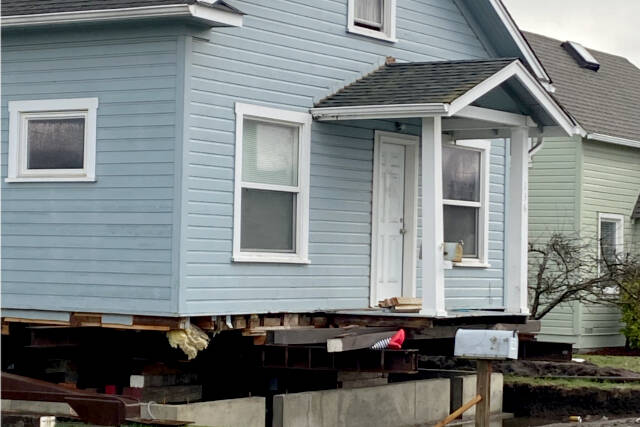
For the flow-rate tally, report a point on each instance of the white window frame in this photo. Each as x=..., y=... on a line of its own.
x=19, y=114
x=388, y=31
x=283, y=117
x=484, y=147
x=619, y=221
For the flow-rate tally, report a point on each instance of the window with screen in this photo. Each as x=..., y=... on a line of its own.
x=373, y=18
x=272, y=185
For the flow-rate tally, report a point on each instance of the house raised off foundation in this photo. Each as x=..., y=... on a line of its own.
x=266, y=173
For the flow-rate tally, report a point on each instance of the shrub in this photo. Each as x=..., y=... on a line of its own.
x=630, y=307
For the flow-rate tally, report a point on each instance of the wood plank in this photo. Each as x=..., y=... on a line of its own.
x=461, y=410
x=389, y=321
x=356, y=342
x=483, y=388
x=271, y=321
x=406, y=301
x=407, y=308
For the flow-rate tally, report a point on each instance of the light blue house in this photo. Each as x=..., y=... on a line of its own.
x=195, y=158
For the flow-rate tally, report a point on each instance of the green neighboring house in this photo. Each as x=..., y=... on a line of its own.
x=588, y=185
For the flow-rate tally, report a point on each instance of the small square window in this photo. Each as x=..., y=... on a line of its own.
x=373, y=18
x=52, y=140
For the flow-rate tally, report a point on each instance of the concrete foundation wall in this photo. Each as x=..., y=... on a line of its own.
x=399, y=404
x=245, y=412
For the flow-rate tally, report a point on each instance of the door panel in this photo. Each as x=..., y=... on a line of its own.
x=390, y=219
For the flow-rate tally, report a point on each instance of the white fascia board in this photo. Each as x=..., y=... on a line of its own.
x=496, y=116
x=533, y=86
x=214, y=17
x=613, y=140
x=362, y=112
x=519, y=40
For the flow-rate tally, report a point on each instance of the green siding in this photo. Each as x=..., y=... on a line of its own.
x=571, y=182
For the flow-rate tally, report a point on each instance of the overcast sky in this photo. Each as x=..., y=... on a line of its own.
x=611, y=26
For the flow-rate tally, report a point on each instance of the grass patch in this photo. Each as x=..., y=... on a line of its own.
x=629, y=363
x=569, y=383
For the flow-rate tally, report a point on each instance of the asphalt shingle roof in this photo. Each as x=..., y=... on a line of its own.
x=605, y=102
x=636, y=210
x=415, y=83
x=32, y=7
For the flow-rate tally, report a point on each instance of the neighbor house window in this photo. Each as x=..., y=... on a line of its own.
x=373, y=18
x=272, y=185
x=610, y=237
x=465, y=179
x=52, y=140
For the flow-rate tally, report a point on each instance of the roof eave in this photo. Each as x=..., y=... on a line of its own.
x=389, y=111
x=522, y=44
x=613, y=140
x=207, y=15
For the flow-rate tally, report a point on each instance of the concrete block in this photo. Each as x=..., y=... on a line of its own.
x=432, y=400
x=393, y=404
x=398, y=404
x=243, y=412
x=59, y=409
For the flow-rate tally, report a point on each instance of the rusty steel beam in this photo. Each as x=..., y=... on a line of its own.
x=93, y=408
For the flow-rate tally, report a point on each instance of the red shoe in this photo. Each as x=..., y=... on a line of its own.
x=397, y=339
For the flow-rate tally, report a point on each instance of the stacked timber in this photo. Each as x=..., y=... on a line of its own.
x=402, y=304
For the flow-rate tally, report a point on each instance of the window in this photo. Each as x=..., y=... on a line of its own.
x=271, y=200
x=610, y=237
x=373, y=18
x=52, y=140
x=465, y=192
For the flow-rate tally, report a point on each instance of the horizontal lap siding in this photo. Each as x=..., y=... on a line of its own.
x=611, y=184
x=554, y=196
x=288, y=54
x=480, y=288
x=103, y=246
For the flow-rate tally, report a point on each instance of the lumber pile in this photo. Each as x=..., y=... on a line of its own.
x=402, y=304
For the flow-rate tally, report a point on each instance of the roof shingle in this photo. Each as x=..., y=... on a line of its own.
x=636, y=211
x=415, y=83
x=606, y=101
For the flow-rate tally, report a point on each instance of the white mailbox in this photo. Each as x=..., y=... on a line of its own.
x=486, y=344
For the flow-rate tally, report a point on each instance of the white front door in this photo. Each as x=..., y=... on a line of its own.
x=395, y=173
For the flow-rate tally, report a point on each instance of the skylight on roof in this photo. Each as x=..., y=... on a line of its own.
x=581, y=55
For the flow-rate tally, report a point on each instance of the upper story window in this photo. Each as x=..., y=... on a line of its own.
x=373, y=18
x=271, y=202
x=465, y=181
x=52, y=140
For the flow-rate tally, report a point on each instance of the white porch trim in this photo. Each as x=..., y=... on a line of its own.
x=516, y=252
x=433, y=303
x=208, y=15
x=362, y=112
x=613, y=140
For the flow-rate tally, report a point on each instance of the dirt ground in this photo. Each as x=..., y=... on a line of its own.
x=622, y=422
x=530, y=368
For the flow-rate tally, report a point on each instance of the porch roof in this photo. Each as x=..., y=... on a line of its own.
x=415, y=83
x=445, y=88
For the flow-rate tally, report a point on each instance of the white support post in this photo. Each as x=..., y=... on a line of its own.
x=432, y=219
x=517, y=223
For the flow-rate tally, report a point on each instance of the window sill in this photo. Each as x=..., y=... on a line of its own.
x=51, y=179
x=472, y=264
x=274, y=259
x=354, y=29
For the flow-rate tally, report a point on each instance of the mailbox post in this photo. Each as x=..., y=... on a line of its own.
x=485, y=346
